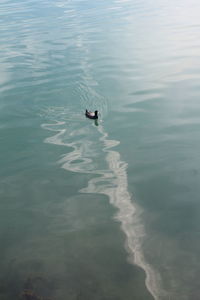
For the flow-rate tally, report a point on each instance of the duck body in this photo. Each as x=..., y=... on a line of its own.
x=91, y=115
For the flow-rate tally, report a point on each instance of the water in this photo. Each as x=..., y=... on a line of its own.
x=106, y=210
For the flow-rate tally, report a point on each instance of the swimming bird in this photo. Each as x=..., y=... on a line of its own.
x=91, y=115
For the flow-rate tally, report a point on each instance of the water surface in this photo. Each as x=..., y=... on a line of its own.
x=108, y=210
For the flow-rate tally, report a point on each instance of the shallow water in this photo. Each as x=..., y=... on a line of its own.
x=106, y=210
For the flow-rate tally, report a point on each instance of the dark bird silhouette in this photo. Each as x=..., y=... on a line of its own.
x=91, y=115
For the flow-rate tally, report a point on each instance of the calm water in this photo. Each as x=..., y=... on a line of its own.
x=109, y=210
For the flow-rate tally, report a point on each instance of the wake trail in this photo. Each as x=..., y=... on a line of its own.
x=111, y=182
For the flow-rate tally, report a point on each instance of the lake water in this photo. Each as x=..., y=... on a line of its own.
x=107, y=210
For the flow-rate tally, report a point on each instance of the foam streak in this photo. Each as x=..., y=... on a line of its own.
x=112, y=182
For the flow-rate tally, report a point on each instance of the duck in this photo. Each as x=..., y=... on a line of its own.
x=91, y=115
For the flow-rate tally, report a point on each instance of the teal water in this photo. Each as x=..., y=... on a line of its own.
x=107, y=210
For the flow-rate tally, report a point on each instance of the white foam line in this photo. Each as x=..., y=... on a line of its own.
x=55, y=139
x=128, y=213
x=68, y=160
x=115, y=186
